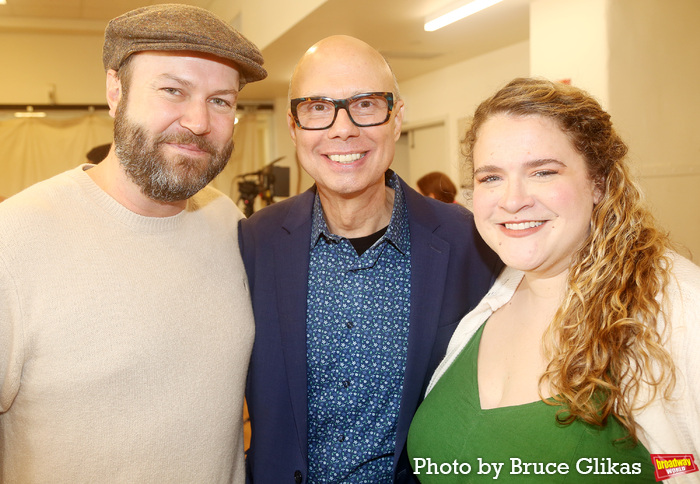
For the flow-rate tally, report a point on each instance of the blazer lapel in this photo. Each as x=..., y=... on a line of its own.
x=291, y=257
x=429, y=259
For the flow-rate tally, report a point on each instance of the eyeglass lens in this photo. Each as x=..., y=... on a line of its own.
x=367, y=110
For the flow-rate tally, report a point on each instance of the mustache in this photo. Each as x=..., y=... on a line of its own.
x=186, y=139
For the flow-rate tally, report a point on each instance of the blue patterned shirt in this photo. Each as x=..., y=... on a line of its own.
x=356, y=344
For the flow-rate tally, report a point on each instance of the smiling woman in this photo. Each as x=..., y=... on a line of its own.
x=575, y=344
x=533, y=196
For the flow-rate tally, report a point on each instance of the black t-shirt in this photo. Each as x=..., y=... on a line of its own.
x=361, y=244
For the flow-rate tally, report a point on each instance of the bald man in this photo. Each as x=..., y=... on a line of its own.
x=357, y=284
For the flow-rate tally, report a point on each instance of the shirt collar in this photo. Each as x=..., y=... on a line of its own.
x=397, y=232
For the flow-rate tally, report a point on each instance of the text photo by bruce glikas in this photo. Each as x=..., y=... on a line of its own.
x=665, y=466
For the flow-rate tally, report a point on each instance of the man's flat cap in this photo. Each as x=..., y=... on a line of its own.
x=175, y=27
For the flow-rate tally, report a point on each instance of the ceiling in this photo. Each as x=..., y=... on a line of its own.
x=394, y=27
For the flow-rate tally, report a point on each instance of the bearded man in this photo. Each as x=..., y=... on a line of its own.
x=125, y=317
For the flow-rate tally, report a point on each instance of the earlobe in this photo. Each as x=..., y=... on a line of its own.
x=598, y=191
x=114, y=91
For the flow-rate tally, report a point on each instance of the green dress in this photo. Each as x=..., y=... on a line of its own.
x=452, y=439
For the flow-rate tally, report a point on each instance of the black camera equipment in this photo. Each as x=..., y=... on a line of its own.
x=265, y=182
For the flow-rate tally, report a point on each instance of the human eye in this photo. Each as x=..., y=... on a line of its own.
x=487, y=178
x=368, y=103
x=221, y=102
x=172, y=91
x=482, y=176
x=544, y=169
x=319, y=107
x=315, y=107
x=545, y=173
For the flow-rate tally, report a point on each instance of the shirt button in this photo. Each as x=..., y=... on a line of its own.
x=341, y=438
x=350, y=324
x=297, y=477
x=346, y=383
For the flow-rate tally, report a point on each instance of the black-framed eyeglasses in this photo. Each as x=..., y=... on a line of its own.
x=367, y=109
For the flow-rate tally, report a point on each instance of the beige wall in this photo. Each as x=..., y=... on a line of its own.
x=264, y=21
x=639, y=59
x=654, y=99
x=69, y=63
x=569, y=40
x=633, y=55
x=452, y=93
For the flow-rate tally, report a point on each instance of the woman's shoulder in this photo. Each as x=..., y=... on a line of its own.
x=684, y=281
x=684, y=268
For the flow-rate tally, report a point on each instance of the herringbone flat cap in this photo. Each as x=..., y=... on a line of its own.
x=175, y=27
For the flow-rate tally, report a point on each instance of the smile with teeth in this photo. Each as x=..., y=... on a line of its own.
x=348, y=158
x=523, y=225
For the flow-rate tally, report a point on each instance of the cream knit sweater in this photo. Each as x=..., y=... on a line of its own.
x=124, y=340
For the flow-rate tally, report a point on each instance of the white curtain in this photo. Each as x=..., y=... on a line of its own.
x=248, y=152
x=33, y=149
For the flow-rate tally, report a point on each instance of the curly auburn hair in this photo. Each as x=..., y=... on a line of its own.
x=605, y=340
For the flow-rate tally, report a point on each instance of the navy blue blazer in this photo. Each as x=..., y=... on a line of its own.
x=451, y=269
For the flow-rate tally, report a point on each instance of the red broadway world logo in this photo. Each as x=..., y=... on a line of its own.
x=670, y=465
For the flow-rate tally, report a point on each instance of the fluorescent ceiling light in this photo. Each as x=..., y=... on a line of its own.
x=2, y=2
x=442, y=18
x=30, y=114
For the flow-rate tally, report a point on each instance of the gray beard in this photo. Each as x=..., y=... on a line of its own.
x=159, y=178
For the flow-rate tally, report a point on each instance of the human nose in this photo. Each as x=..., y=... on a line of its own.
x=343, y=127
x=515, y=196
x=196, y=118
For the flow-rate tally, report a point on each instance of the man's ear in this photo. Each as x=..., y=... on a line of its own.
x=398, y=119
x=292, y=127
x=114, y=91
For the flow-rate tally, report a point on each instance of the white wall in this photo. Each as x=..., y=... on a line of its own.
x=569, y=40
x=640, y=59
x=655, y=101
x=31, y=63
x=69, y=53
x=424, y=149
x=452, y=93
x=263, y=21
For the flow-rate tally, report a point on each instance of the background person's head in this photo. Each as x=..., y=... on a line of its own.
x=346, y=159
x=437, y=185
x=98, y=153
